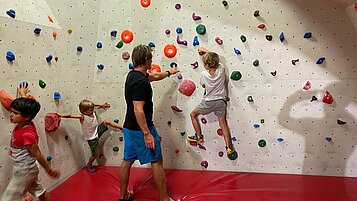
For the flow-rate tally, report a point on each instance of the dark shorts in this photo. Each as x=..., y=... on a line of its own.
x=94, y=144
x=135, y=148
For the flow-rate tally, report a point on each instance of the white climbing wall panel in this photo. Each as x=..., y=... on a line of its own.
x=279, y=100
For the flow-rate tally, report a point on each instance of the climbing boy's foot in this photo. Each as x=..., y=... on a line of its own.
x=129, y=197
x=91, y=169
x=231, y=153
x=194, y=138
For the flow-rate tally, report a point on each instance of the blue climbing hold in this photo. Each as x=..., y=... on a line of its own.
x=10, y=56
x=280, y=139
x=328, y=138
x=178, y=30
x=49, y=58
x=116, y=120
x=256, y=125
x=234, y=139
x=282, y=37
x=49, y=158
x=99, y=45
x=100, y=66
x=25, y=84
x=121, y=139
x=113, y=33
x=11, y=13
x=173, y=64
x=320, y=60
x=131, y=66
x=151, y=44
x=37, y=30
x=57, y=95
x=195, y=41
x=182, y=133
x=237, y=51
x=308, y=35
x=79, y=49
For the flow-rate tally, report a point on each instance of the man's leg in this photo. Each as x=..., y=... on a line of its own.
x=124, y=178
x=158, y=174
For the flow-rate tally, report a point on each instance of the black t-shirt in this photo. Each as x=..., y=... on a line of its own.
x=137, y=88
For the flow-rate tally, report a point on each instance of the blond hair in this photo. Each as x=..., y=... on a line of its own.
x=85, y=105
x=211, y=59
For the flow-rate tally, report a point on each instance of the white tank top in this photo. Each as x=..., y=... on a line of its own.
x=214, y=84
x=89, y=127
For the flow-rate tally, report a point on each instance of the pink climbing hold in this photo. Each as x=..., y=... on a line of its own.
x=204, y=164
x=307, y=86
x=201, y=147
x=52, y=122
x=218, y=40
x=195, y=17
x=181, y=42
x=220, y=154
x=327, y=98
x=203, y=120
x=175, y=108
x=187, y=87
x=194, y=65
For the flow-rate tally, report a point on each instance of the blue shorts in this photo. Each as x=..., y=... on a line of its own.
x=135, y=148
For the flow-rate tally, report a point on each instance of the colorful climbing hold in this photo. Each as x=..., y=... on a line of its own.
x=170, y=50
x=201, y=29
x=54, y=34
x=50, y=19
x=256, y=13
x=69, y=30
x=340, y=122
x=220, y=153
x=320, y=60
x=113, y=33
x=280, y=139
x=201, y=147
x=179, y=30
x=178, y=6
x=243, y=38
x=269, y=37
x=10, y=56
x=282, y=37
x=145, y=3
x=41, y=83
x=99, y=45
x=173, y=64
x=261, y=26
x=154, y=68
x=195, y=41
x=225, y=3
x=328, y=138
x=116, y=120
x=119, y=44
x=219, y=132
x=236, y=75
x=167, y=31
x=115, y=149
x=203, y=120
x=181, y=42
x=294, y=61
x=262, y=121
x=250, y=99
x=37, y=30
x=256, y=63
x=307, y=86
x=218, y=40
x=262, y=143
x=49, y=158
x=125, y=55
x=131, y=66
x=233, y=155
x=49, y=58
x=79, y=48
x=194, y=65
x=327, y=98
x=237, y=51
x=182, y=133
x=313, y=98
x=100, y=66
x=151, y=44
x=121, y=139
x=56, y=95
x=187, y=87
x=255, y=125
x=175, y=108
x=204, y=164
x=273, y=73
x=308, y=35
x=11, y=13
x=195, y=17
x=56, y=58
x=127, y=36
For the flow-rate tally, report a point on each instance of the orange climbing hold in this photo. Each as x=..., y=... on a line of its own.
x=6, y=100
x=154, y=68
x=145, y=3
x=127, y=36
x=170, y=50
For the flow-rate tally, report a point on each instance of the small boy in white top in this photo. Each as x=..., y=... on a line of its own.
x=214, y=100
x=92, y=131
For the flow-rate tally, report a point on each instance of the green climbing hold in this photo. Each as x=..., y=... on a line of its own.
x=243, y=38
x=116, y=149
x=233, y=155
x=120, y=44
x=201, y=29
x=42, y=83
x=256, y=63
x=250, y=99
x=236, y=75
x=262, y=143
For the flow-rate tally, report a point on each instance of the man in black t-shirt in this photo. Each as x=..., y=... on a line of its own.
x=141, y=140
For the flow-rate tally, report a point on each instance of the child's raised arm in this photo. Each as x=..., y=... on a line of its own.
x=104, y=105
x=73, y=116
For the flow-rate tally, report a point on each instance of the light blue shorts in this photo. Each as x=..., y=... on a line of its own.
x=135, y=148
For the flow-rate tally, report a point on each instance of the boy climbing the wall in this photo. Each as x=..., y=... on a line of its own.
x=214, y=100
x=24, y=151
x=91, y=130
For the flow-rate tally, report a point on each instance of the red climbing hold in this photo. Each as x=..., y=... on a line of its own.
x=187, y=87
x=327, y=98
x=50, y=19
x=6, y=100
x=261, y=26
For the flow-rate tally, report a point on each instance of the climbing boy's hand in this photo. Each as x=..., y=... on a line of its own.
x=54, y=173
x=105, y=105
x=23, y=89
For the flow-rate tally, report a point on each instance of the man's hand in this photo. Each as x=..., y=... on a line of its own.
x=149, y=141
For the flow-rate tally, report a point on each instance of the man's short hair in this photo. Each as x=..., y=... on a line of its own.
x=140, y=55
x=28, y=107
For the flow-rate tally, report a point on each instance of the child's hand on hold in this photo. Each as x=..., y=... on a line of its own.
x=54, y=173
x=105, y=105
x=23, y=89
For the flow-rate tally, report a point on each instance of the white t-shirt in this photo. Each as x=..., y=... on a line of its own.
x=214, y=84
x=89, y=127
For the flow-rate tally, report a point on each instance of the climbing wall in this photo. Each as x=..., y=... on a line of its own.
x=276, y=125
x=71, y=75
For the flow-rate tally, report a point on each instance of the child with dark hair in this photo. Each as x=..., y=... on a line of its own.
x=91, y=130
x=24, y=151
